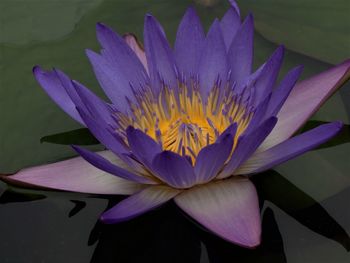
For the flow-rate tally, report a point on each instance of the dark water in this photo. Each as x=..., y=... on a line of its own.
x=64, y=227
x=304, y=203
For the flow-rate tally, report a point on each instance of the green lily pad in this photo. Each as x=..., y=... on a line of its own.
x=316, y=28
x=81, y=136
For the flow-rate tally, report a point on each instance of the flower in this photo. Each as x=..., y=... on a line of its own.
x=189, y=123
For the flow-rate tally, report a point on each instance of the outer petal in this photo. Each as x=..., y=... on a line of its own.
x=160, y=58
x=189, y=43
x=289, y=149
x=266, y=79
x=137, y=47
x=105, y=165
x=240, y=53
x=246, y=146
x=139, y=203
x=51, y=83
x=211, y=159
x=304, y=100
x=229, y=25
x=229, y=208
x=283, y=90
x=173, y=169
x=75, y=175
x=213, y=63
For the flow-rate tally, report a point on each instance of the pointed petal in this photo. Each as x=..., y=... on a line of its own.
x=266, y=79
x=283, y=90
x=213, y=63
x=229, y=26
x=229, y=208
x=139, y=203
x=304, y=100
x=105, y=165
x=211, y=159
x=51, y=83
x=75, y=175
x=104, y=135
x=112, y=80
x=289, y=149
x=240, y=54
x=127, y=68
x=232, y=129
x=234, y=5
x=92, y=104
x=189, y=43
x=160, y=58
x=137, y=47
x=259, y=115
x=246, y=146
x=173, y=169
x=142, y=146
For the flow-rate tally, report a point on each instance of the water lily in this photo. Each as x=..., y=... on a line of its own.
x=188, y=123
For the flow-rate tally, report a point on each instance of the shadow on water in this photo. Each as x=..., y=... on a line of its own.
x=163, y=235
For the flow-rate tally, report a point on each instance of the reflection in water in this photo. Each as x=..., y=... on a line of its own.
x=168, y=235
x=275, y=188
x=163, y=235
x=270, y=250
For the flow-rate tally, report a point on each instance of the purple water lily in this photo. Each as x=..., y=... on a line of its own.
x=188, y=123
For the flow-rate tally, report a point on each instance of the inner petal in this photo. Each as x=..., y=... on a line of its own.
x=181, y=122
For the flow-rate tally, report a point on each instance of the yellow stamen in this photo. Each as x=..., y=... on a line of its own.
x=181, y=122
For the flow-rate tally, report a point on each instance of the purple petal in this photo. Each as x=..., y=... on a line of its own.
x=289, y=149
x=112, y=80
x=229, y=26
x=266, y=79
x=75, y=175
x=137, y=47
x=213, y=64
x=229, y=208
x=105, y=165
x=173, y=169
x=139, y=203
x=304, y=100
x=211, y=159
x=234, y=5
x=160, y=57
x=107, y=137
x=232, y=129
x=259, y=115
x=189, y=43
x=247, y=145
x=240, y=54
x=142, y=146
x=281, y=93
x=92, y=104
x=127, y=70
x=51, y=83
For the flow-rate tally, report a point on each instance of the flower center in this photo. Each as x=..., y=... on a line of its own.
x=180, y=121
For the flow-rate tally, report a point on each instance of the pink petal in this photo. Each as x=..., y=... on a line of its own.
x=136, y=46
x=75, y=175
x=304, y=100
x=139, y=203
x=229, y=208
